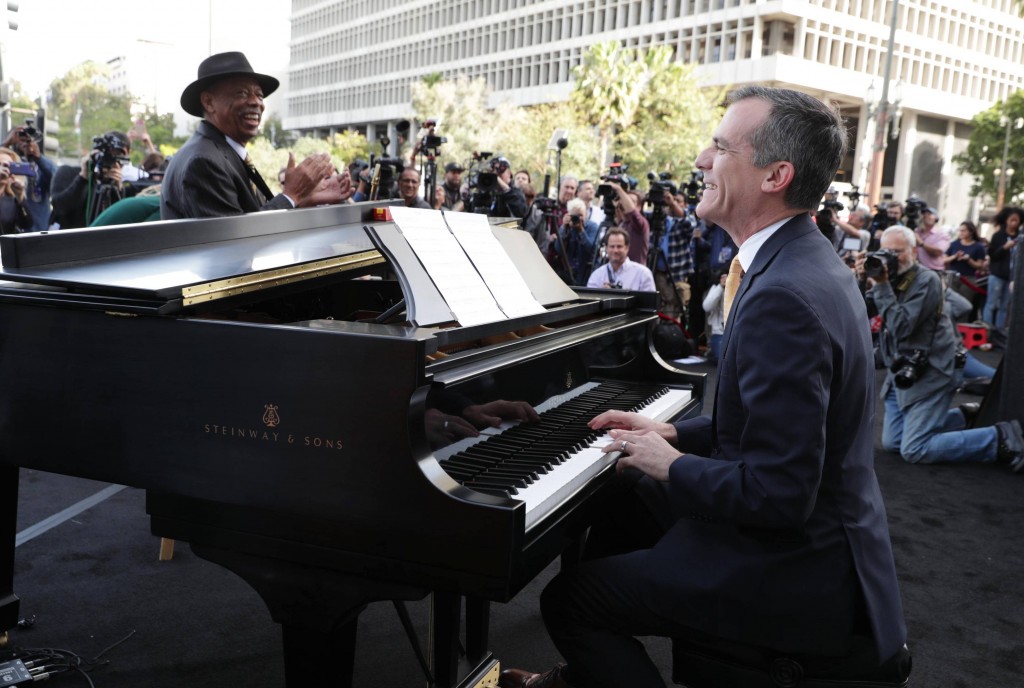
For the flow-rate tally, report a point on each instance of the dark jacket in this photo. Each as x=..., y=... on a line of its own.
x=783, y=540
x=206, y=178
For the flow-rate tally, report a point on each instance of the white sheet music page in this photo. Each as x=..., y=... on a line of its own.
x=492, y=262
x=448, y=266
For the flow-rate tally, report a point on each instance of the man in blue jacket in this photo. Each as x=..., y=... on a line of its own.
x=770, y=527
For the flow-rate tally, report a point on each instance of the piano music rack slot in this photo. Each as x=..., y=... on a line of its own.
x=234, y=286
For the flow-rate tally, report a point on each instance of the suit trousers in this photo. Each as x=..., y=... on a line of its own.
x=594, y=609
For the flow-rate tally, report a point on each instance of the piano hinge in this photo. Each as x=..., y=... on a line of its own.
x=211, y=291
x=121, y=314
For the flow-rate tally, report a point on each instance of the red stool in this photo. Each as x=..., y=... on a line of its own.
x=972, y=336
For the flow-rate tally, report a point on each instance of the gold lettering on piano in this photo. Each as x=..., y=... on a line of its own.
x=569, y=384
x=272, y=419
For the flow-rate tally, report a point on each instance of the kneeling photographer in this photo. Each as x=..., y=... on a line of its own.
x=919, y=346
x=98, y=185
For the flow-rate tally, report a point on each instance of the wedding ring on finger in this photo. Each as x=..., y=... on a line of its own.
x=622, y=447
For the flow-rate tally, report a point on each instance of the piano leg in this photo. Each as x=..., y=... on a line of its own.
x=8, y=531
x=445, y=616
x=478, y=618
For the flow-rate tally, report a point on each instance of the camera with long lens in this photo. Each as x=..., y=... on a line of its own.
x=105, y=152
x=659, y=185
x=909, y=367
x=914, y=206
x=882, y=260
x=29, y=131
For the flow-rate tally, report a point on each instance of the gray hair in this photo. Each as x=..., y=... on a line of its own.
x=906, y=232
x=800, y=130
x=574, y=204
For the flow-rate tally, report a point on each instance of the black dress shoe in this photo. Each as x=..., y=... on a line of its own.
x=970, y=411
x=518, y=678
x=1011, y=445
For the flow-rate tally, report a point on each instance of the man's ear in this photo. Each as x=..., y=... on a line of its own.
x=206, y=100
x=779, y=176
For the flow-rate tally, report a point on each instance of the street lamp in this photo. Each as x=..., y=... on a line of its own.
x=1003, y=172
x=883, y=112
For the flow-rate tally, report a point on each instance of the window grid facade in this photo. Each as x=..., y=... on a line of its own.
x=342, y=70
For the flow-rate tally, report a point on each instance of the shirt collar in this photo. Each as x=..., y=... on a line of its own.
x=748, y=251
x=236, y=146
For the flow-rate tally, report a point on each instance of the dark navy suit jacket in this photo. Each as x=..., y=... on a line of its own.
x=206, y=178
x=783, y=540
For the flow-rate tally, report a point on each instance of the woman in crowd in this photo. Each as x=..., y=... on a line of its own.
x=997, y=303
x=966, y=257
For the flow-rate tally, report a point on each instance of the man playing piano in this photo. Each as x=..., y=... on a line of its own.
x=767, y=533
x=212, y=175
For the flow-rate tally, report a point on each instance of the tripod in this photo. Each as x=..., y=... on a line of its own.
x=102, y=197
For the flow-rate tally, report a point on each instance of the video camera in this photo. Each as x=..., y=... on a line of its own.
x=692, y=188
x=430, y=141
x=659, y=185
x=483, y=179
x=103, y=152
x=914, y=206
x=854, y=195
x=384, y=171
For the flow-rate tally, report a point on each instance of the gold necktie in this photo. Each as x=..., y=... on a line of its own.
x=732, y=285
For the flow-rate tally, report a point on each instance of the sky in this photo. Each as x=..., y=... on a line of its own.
x=55, y=35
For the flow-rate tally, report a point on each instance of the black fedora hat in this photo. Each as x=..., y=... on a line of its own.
x=217, y=67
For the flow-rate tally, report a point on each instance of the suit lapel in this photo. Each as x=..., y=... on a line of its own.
x=797, y=226
x=234, y=163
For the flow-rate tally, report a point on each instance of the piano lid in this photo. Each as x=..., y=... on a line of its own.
x=173, y=264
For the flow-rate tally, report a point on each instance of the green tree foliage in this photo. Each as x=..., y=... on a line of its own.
x=527, y=133
x=460, y=107
x=984, y=153
x=609, y=82
x=80, y=90
x=343, y=148
x=674, y=121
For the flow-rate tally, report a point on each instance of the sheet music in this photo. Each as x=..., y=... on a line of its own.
x=448, y=266
x=500, y=274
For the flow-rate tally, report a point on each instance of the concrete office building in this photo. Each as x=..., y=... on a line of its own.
x=352, y=62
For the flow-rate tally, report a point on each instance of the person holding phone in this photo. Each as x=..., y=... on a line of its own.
x=14, y=214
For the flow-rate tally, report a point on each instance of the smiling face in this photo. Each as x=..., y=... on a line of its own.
x=235, y=106
x=733, y=186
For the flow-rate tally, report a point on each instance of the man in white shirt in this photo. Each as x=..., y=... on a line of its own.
x=620, y=272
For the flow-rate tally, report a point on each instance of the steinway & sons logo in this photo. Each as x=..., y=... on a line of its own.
x=271, y=420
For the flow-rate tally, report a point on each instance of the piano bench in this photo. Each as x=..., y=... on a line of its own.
x=728, y=665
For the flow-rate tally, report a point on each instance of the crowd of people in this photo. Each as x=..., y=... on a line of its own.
x=786, y=519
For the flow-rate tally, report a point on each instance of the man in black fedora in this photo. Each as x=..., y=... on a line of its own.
x=212, y=176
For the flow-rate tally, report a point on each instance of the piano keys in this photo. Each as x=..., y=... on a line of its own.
x=240, y=371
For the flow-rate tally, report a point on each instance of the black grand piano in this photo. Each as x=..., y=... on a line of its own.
x=287, y=386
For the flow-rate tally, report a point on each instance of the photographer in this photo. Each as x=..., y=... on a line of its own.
x=579, y=238
x=452, y=187
x=492, y=192
x=629, y=217
x=24, y=141
x=620, y=272
x=14, y=213
x=96, y=187
x=924, y=356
